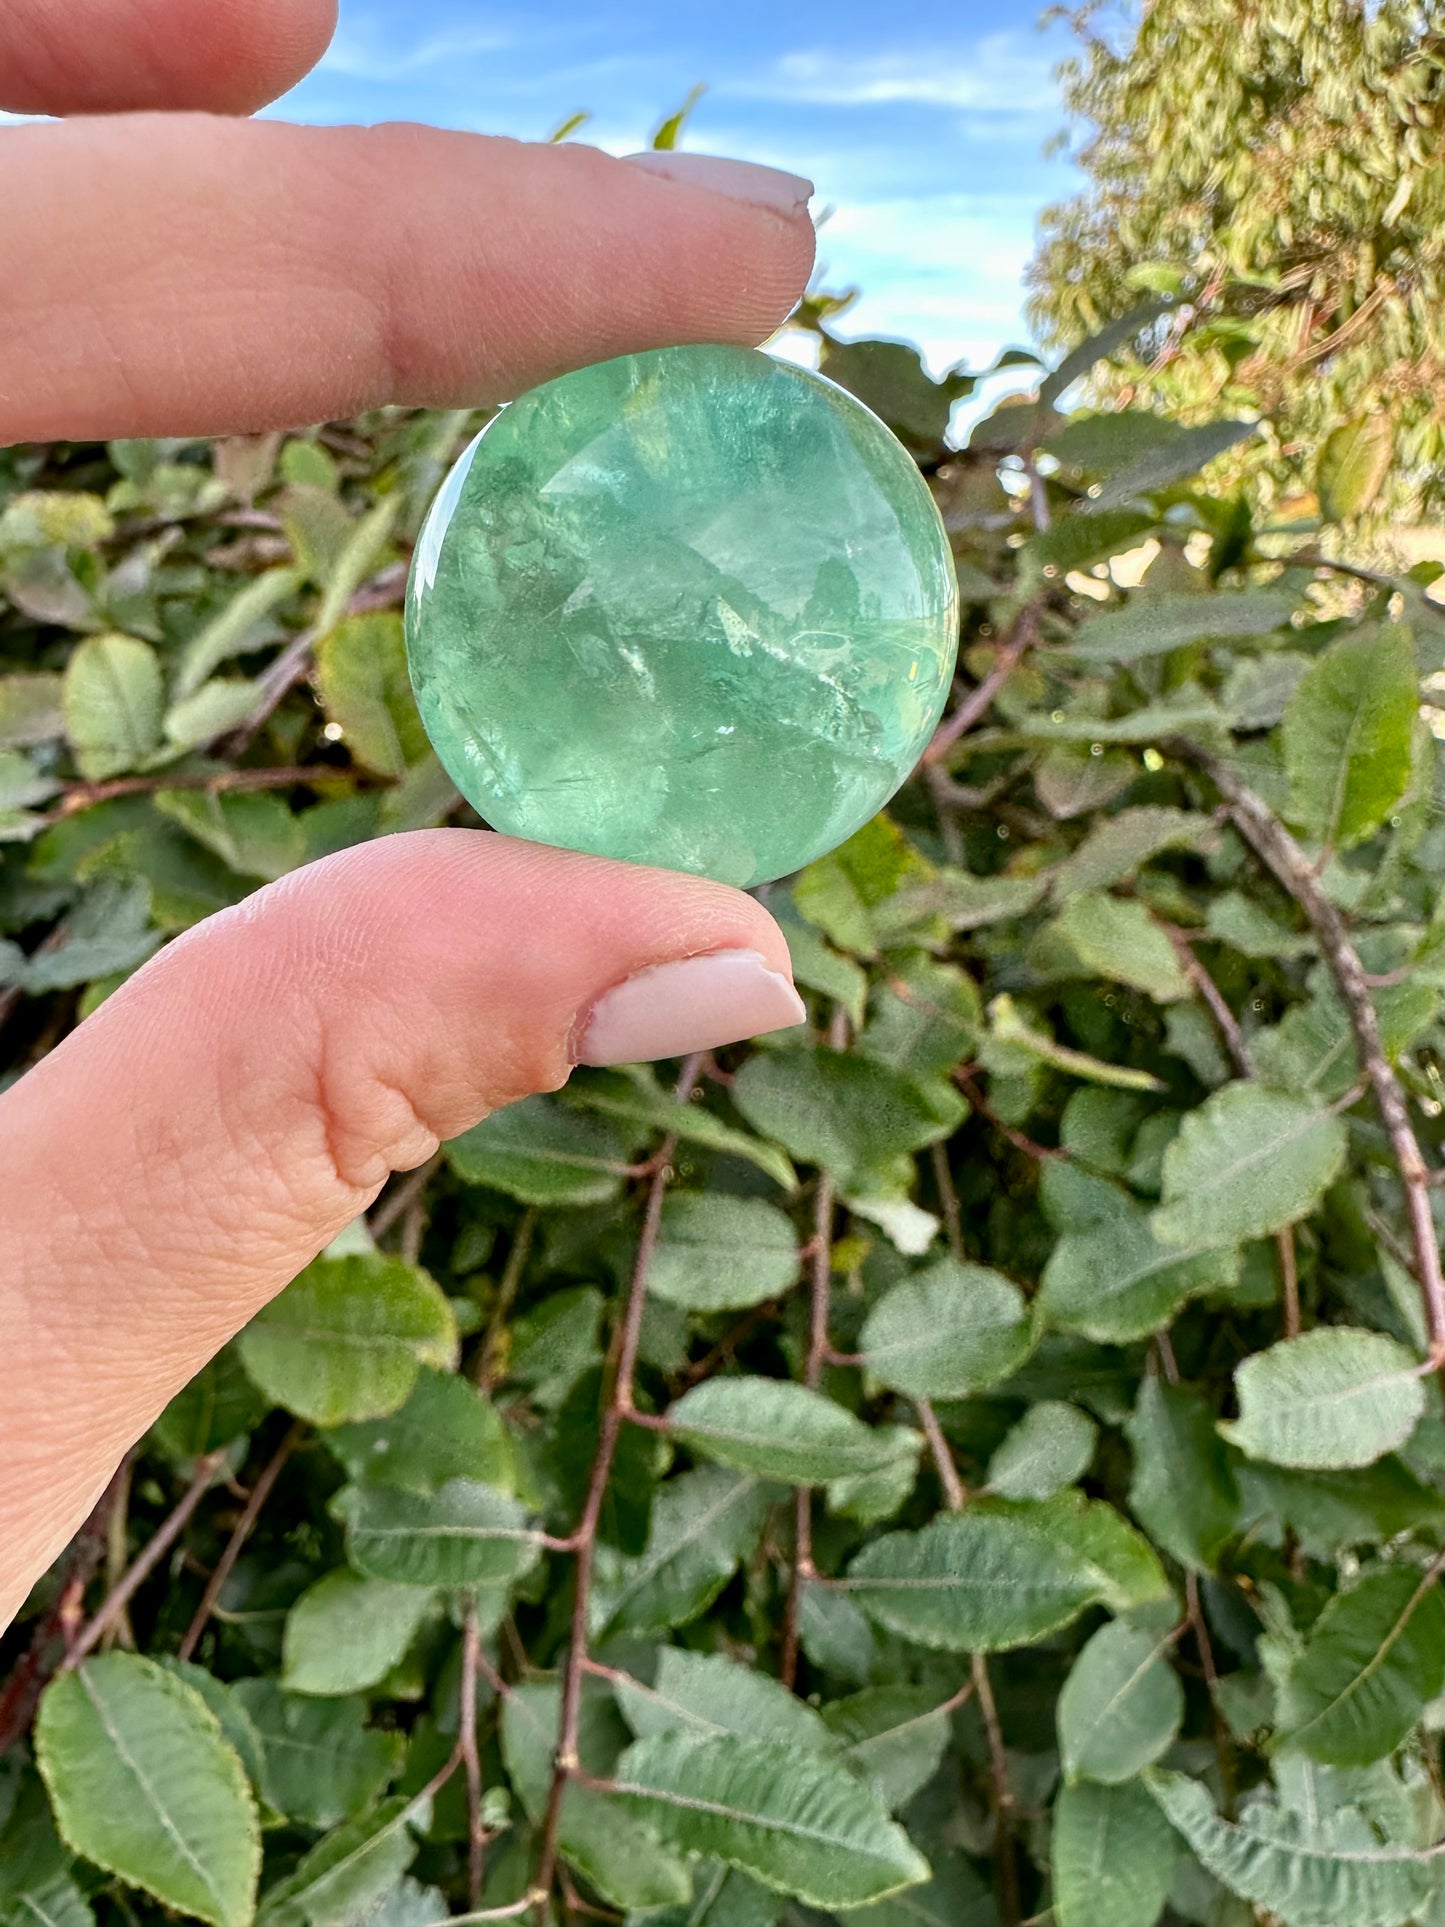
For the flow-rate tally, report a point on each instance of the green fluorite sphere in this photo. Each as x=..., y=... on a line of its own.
x=694, y=608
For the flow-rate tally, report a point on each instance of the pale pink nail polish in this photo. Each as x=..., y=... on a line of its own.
x=746, y=181
x=693, y=1003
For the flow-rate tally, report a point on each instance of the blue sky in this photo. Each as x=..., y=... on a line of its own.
x=922, y=128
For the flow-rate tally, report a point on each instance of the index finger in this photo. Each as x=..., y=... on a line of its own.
x=187, y=274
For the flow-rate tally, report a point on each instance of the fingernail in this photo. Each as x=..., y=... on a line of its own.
x=696, y=1003
x=740, y=180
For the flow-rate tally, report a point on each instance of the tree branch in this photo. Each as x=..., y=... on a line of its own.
x=621, y=1366
x=1003, y=1800
x=80, y=796
x=402, y=1196
x=1278, y=850
x=976, y=705
x=146, y=1561
x=240, y=1532
x=948, y=1477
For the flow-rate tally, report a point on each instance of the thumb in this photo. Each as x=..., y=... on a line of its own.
x=210, y=1128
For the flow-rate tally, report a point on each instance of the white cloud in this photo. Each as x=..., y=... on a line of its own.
x=359, y=54
x=999, y=75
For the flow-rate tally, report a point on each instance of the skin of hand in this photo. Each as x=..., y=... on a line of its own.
x=174, y=269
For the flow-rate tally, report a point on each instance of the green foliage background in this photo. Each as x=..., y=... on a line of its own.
x=1035, y=1496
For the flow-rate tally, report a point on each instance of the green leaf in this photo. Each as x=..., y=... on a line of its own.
x=795, y=1821
x=889, y=378
x=1172, y=459
x=1183, y=1492
x=30, y=710
x=1114, y=1281
x=257, y=836
x=1313, y=1871
x=322, y=1762
x=1113, y=1857
x=1009, y=1027
x=1348, y=733
x=841, y=1111
x=244, y=623
x=348, y=1338
x=980, y=1581
x=924, y=1019
x=542, y=1153
x=464, y=1534
x=1157, y=624
x=782, y=1431
x=1079, y=540
x=1086, y=354
x=954, y=1897
x=343, y=1877
x=362, y=679
x=112, y=701
x=1116, y=847
x=1333, y=1397
x=1373, y=1661
x=1051, y=1446
x=895, y=1736
x=948, y=1331
x=1121, y=1707
x=1125, y=1565
x=717, y=1253
x=703, y=1524
x=345, y=1633
x=703, y=1694
x=1247, y=1163
x=445, y=1430
x=666, y=135
x=1353, y=463
x=144, y=1784
x=1118, y=939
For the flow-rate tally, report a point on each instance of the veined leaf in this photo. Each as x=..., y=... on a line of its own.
x=779, y=1431
x=1113, y=1856
x=112, y=699
x=1121, y=1707
x=634, y=1096
x=1247, y=1163
x=1183, y=1492
x=542, y=1152
x=1114, y=1281
x=446, y=1430
x=844, y=1112
x=1318, y=1872
x=1156, y=625
x=717, y=1253
x=704, y=1694
x=322, y=1763
x=144, y=1784
x=348, y=1338
x=1374, y=1659
x=463, y=1534
x=1353, y=462
x=948, y=1331
x=347, y=1873
x=1334, y=1397
x=1050, y=1447
x=1348, y=733
x=703, y=1523
x=979, y=1581
x=1117, y=938
x=793, y=1820
x=345, y=1633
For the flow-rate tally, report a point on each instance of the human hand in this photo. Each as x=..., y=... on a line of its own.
x=174, y=1162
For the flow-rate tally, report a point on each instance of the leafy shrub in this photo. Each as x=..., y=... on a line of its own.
x=977, y=1459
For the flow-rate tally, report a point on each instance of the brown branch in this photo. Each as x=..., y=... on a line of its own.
x=80, y=1562
x=1038, y=1152
x=948, y=1198
x=146, y=1561
x=260, y=1492
x=1289, y=1277
x=484, y=1372
x=617, y=1407
x=400, y=1198
x=1279, y=851
x=80, y=796
x=976, y=705
x=729, y=1342
x=471, y=1757
x=948, y=1477
x=1005, y=1863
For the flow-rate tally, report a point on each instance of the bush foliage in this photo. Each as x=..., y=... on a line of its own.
x=975, y=1459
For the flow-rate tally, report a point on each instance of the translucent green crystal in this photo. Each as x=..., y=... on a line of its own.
x=694, y=608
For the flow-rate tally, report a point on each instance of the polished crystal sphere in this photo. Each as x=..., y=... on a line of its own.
x=693, y=608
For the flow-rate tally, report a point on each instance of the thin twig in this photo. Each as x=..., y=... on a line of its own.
x=80, y=1561
x=1279, y=851
x=948, y=1198
x=617, y=1407
x=729, y=1342
x=948, y=1477
x=1005, y=1863
x=146, y=1561
x=1289, y=1275
x=471, y=1757
x=260, y=1492
x=400, y=1198
x=963, y=1077
x=976, y=705
x=485, y=1371
x=82, y=795
x=117, y=1535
